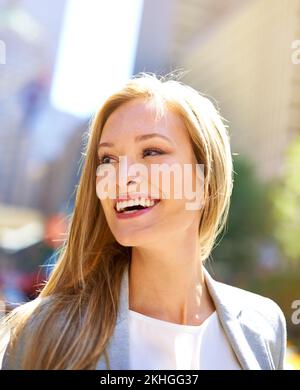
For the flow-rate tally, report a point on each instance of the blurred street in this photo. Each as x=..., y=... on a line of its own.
x=60, y=59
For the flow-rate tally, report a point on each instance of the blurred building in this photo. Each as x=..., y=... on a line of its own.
x=239, y=53
x=167, y=26
x=58, y=186
x=39, y=146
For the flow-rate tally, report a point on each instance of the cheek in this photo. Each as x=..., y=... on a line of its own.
x=179, y=217
x=108, y=206
x=106, y=203
x=176, y=178
x=98, y=188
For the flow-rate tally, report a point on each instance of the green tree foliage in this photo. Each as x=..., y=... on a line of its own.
x=286, y=202
x=248, y=221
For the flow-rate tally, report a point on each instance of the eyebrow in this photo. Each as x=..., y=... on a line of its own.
x=139, y=138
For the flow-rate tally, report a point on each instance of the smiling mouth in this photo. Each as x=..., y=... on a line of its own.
x=134, y=205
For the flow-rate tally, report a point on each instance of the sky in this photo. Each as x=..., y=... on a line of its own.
x=96, y=53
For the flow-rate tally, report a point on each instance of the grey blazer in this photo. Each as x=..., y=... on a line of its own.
x=255, y=327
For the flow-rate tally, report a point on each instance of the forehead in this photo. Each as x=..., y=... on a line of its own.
x=139, y=116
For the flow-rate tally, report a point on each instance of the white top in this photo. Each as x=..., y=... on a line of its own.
x=160, y=345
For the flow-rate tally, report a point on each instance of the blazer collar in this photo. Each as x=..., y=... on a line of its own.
x=118, y=346
x=228, y=308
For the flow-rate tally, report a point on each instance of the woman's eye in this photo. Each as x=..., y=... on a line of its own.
x=105, y=159
x=153, y=152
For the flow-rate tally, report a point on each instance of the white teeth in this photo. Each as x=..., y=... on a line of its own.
x=134, y=202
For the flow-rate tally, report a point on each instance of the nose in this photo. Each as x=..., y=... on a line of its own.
x=131, y=184
x=133, y=180
x=128, y=174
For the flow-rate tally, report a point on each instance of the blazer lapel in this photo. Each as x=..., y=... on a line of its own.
x=229, y=311
x=118, y=346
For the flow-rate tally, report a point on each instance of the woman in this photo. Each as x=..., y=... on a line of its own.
x=130, y=290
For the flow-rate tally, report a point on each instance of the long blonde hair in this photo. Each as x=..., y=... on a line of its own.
x=68, y=326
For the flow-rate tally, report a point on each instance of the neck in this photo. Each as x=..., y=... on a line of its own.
x=169, y=284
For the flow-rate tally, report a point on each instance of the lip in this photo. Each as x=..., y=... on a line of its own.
x=137, y=212
x=132, y=196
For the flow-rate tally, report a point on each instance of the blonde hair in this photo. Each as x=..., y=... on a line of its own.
x=68, y=326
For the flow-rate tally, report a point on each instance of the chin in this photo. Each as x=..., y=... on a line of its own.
x=132, y=238
x=128, y=241
x=125, y=241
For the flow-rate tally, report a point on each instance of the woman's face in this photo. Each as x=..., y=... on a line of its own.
x=131, y=131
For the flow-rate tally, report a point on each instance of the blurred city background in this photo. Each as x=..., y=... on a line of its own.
x=60, y=59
